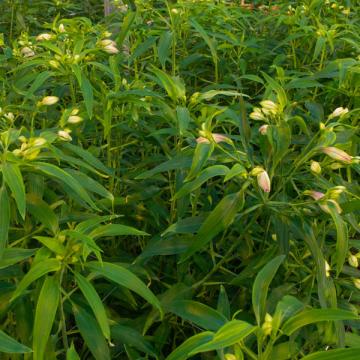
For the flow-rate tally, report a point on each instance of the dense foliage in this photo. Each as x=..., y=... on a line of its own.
x=179, y=180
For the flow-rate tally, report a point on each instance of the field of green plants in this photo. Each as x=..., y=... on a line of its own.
x=179, y=180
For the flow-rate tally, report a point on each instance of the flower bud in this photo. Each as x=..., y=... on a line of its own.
x=44, y=37
x=357, y=283
x=74, y=111
x=39, y=142
x=49, y=100
x=257, y=114
x=353, y=261
x=262, y=179
x=110, y=49
x=315, y=167
x=216, y=137
x=54, y=64
x=62, y=28
x=336, y=191
x=27, y=52
x=267, y=325
x=230, y=357
x=269, y=106
x=64, y=135
x=327, y=269
x=337, y=154
x=74, y=119
x=263, y=129
x=340, y=111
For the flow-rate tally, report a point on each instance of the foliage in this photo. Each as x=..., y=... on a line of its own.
x=179, y=179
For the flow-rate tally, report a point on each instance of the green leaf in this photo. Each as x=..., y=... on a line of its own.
x=95, y=303
x=115, y=230
x=182, y=352
x=37, y=271
x=307, y=317
x=46, y=308
x=14, y=255
x=164, y=46
x=126, y=278
x=4, y=220
x=261, y=287
x=88, y=94
x=179, y=162
x=201, y=155
x=183, y=118
x=53, y=244
x=71, y=353
x=230, y=334
x=42, y=212
x=130, y=336
x=10, y=345
x=198, y=313
x=15, y=182
x=342, y=242
x=205, y=175
x=65, y=178
x=91, y=333
x=218, y=220
x=343, y=354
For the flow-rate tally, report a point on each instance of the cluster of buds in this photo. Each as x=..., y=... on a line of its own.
x=337, y=154
x=74, y=118
x=267, y=325
x=64, y=135
x=338, y=112
x=109, y=46
x=268, y=108
x=262, y=177
x=30, y=148
x=48, y=101
x=44, y=37
x=323, y=200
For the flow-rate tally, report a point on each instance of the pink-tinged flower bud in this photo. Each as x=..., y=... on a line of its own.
x=110, y=49
x=316, y=195
x=337, y=154
x=315, y=167
x=49, y=100
x=216, y=137
x=264, y=181
x=44, y=37
x=263, y=129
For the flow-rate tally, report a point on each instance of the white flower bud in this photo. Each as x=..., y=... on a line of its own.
x=74, y=119
x=49, y=100
x=315, y=167
x=44, y=37
x=353, y=261
x=337, y=154
x=340, y=111
x=64, y=135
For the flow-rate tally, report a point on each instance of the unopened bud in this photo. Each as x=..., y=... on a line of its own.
x=315, y=167
x=337, y=154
